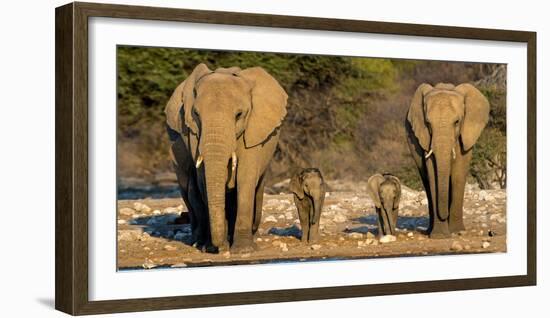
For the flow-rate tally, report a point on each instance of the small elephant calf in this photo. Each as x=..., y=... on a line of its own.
x=308, y=187
x=385, y=191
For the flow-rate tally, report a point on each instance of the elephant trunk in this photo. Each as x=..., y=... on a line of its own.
x=216, y=153
x=316, y=208
x=442, y=153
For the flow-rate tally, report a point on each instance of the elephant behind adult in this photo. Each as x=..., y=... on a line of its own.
x=228, y=121
x=443, y=124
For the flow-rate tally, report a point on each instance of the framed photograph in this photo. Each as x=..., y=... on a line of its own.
x=218, y=158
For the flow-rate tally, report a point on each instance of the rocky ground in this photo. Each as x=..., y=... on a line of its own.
x=148, y=237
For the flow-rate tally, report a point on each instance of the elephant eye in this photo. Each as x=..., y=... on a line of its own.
x=239, y=115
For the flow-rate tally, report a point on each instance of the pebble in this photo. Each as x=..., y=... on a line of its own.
x=121, y=222
x=259, y=239
x=143, y=208
x=485, y=244
x=340, y=218
x=281, y=217
x=456, y=246
x=144, y=236
x=467, y=247
x=315, y=247
x=170, y=247
x=226, y=254
x=270, y=218
x=146, y=248
x=387, y=239
x=148, y=264
x=410, y=234
x=127, y=211
x=157, y=212
x=284, y=247
x=171, y=210
x=245, y=255
x=370, y=235
x=179, y=265
x=355, y=235
x=289, y=215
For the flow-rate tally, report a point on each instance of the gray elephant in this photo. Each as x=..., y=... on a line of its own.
x=309, y=190
x=443, y=124
x=385, y=192
x=224, y=127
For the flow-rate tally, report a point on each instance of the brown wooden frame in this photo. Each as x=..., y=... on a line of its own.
x=71, y=164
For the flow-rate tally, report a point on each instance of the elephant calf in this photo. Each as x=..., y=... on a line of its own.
x=385, y=191
x=308, y=187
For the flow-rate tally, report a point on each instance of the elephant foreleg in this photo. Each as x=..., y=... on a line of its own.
x=458, y=183
x=258, y=205
x=242, y=238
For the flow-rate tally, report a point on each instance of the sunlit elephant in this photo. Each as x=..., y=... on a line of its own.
x=385, y=192
x=443, y=124
x=309, y=189
x=224, y=126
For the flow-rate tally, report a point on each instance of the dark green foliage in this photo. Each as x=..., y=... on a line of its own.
x=345, y=115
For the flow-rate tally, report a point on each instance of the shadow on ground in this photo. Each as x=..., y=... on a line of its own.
x=293, y=231
x=165, y=226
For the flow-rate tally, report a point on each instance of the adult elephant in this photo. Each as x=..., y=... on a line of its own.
x=443, y=124
x=224, y=125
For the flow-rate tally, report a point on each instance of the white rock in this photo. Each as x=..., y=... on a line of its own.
x=410, y=234
x=143, y=208
x=284, y=247
x=126, y=211
x=340, y=218
x=355, y=235
x=157, y=212
x=485, y=244
x=148, y=264
x=387, y=239
x=315, y=247
x=121, y=222
x=170, y=247
x=289, y=215
x=456, y=246
x=270, y=218
x=171, y=210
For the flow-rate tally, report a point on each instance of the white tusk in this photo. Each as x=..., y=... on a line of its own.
x=199, y=161
x=428, y=154
x=454, y=153
x=233, y=161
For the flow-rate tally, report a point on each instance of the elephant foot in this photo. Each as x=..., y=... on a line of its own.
x=456, y=227
x=243, y=246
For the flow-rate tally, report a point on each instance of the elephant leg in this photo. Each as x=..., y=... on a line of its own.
x=302, y=215
x=394, y=215
x=258, y=204
x=231, y=213
x=439, y=228
x=314, y=235
x=379, y=222
x=458, y=182
x=242, y=238
x=418, y=156
x=201, y=233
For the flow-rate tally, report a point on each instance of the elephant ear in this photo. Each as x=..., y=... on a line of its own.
x=230, y=70
x=184, y=97
x=295, y=186
x=268, y=106
x=476, y=114
x=397, y=183
x=416, y=116
x=373, y=187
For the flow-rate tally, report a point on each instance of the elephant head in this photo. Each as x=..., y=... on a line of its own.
x=310, y=183
x=446, y=120
x=219, y=108
x=385, y=191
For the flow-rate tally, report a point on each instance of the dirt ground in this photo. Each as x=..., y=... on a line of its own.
x=148, y=237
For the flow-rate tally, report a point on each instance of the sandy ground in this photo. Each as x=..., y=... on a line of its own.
x=148, y=237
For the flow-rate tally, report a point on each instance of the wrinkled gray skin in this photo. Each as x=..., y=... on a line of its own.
x=385, y=192
x=224, y=128
x=309, y=195
x=443, y=124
